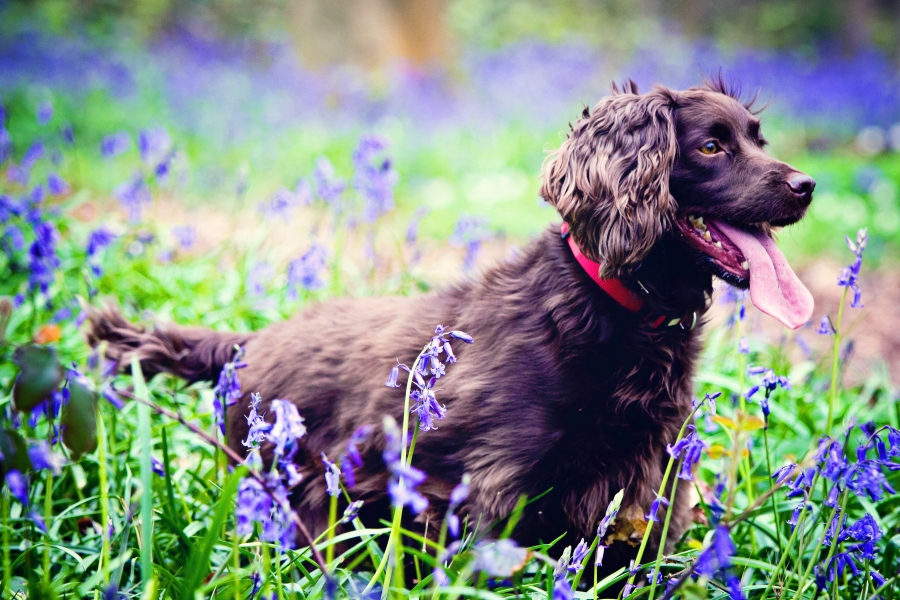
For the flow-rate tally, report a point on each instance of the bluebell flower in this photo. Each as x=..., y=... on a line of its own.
x=374, y=177
x=867, y=478
x=781, y=475
x=849, y=277
x=44, y=113
x=153, y=144
x=653, y=515
x=689, y=449
x=256, y=424
x=260, y=273
x=109, y=393
x=12, y=241
x=98, y=240
x=562, y=589
x=717, y=559
x=186, y=235
x=877, y=578
x=327, y=186
x=500, y=558
x=253, y=505
x=43, y=259
x=402, y=487
x=288, y=428
x=133, y=195
x=352, y=511
x=825, y=326
x=228, y=388
x=359, y=436
x=867, y=533
x=5, y=143
x=115, y=144
x=332, y=477
x=469, y=233
x=392, y=377
x=57, y=185
x=835, y=528
x=67, y=134
x=457, y=497
x=744, y=345
x=279, y=205
x=41, y=456
x=306, y=271
x=34, y=153
x=157, y=467
x=18, y=486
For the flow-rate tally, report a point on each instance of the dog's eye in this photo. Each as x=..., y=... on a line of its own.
x=709, y=148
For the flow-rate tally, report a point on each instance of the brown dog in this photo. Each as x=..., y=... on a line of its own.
x=585, y=342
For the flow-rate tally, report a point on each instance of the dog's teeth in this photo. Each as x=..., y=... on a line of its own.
x=706, y=236
x=746, y=264
x=719, y=245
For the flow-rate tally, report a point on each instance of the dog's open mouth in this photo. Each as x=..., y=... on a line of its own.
x=747, y=257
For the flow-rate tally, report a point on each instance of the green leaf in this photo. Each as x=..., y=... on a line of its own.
x=80, y=420
x=198, y=563
x=15, y=452
x=40, y=375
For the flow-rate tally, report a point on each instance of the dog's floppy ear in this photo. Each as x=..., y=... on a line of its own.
x=610, y=179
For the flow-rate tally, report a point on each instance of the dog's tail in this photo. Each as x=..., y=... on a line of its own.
x=192, y=353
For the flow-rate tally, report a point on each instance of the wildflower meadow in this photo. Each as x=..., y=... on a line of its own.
x=185, y=181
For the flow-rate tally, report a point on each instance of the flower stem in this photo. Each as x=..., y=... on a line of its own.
x=48, y=517
x=835, y=360
x=772, y=497
x=662, y=489
x=7, y=563
x=662, y=539
x=104, y=496
x=332, y=520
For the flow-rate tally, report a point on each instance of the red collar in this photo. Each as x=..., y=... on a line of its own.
x=616, y=290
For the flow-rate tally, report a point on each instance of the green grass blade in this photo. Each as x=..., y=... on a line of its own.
x=198, y=562
x=141, y=392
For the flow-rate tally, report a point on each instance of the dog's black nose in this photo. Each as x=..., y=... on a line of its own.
x=802, y=186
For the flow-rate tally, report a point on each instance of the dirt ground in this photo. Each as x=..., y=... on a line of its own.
x=873, y=329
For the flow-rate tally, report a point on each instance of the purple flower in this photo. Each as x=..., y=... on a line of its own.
x=402, y=488
x=67, y=134
x=782, y=474
x=157, y=467
x=352, y=511
x=5, y=143
x=374, y=177
x=153, y=144
x=44, y=113
x=228, y=388
x=866, y=478
x=469, y=233
x=306, y=271
x=500, y=558
x=288, y=428
x=133, y=195
x=109, y=392
x=332, y=477
x=253, y=505
x=717, y=559
x=690, y=450
x=42, y=457
x=280, y=205
x=654, y=507
x=57, y=185
x=259, y=274
x=825, y=326
x=257, y=426
x=392, y=378
x=867, y=533
x=115, y=144
x=849, y=277
x=327, y=186
x=18, y=486
x=186, y=235
x=427, y=409
x=43, y=258
x=562, y=589
x=457, y=497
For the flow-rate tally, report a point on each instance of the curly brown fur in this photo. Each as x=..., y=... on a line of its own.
x=564, y=393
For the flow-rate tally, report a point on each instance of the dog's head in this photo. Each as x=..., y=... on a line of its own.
x=684, y=166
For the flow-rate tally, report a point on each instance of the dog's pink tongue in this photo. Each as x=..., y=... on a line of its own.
x=774, y=287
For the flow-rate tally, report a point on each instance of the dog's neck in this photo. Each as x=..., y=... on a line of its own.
x=662, y=291
x=672, y=280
